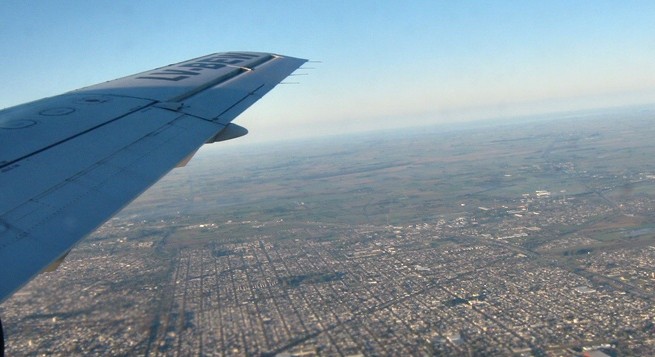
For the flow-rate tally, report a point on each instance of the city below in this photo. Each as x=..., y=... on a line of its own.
x=524, y=238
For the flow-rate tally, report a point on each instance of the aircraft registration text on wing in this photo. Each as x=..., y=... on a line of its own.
x=69, y=162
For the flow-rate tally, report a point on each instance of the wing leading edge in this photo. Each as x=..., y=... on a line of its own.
x=69, y=162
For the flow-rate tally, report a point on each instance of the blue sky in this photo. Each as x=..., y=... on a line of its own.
x=384, y=64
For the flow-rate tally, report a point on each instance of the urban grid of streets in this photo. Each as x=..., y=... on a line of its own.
x=413, y=290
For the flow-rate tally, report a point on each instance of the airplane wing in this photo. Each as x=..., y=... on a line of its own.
x=69, y=162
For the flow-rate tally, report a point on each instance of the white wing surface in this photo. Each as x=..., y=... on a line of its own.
x=68, y=163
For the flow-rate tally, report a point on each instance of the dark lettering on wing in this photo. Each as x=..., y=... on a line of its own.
x=207, y=63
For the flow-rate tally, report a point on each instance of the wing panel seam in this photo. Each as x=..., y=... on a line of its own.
x=8, y=163
x=221, y=79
